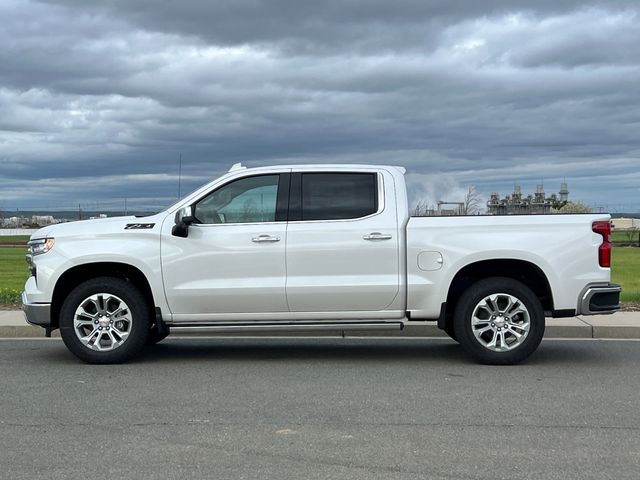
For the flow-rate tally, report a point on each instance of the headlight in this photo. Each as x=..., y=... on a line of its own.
x=40, y=246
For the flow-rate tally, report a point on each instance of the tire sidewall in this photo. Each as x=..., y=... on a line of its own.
x=139, y=313
x=464, y=311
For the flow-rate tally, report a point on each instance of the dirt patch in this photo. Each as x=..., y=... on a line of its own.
x=630, y=307
x=10, y=306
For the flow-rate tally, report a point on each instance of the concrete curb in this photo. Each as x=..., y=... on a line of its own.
x=622, y=325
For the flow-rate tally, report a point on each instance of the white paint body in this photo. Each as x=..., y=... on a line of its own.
x=321, y=270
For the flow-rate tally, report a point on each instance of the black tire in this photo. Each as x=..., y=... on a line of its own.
x=478, y=345
x=136, y=327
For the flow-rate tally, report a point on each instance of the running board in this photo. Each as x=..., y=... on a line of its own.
x=194, y=328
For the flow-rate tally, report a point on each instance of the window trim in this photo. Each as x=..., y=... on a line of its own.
x=295, y=197
x=282, y=199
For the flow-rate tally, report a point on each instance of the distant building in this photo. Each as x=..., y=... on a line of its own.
x=425, y=210
x=448, y=212
x=42, y=220
x=538, y=203
x=15, y=222
x=32, y=221
x=625, y=223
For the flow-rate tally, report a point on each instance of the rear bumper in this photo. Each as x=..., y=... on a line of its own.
x=37, y=313
x=599, y=299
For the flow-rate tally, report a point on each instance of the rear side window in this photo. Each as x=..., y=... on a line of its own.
x=338, y=196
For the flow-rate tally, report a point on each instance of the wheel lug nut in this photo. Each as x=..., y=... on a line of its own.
x=99, y=328
x=96, y=322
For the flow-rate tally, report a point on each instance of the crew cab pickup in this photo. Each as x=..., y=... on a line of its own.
x=314, y=247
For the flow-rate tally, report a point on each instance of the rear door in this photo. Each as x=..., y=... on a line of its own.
x=342, y=242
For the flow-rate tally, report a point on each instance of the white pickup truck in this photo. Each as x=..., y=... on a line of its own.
x=328, y=247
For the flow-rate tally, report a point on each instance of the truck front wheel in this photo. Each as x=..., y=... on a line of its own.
x=105, y=320
x=499, y=321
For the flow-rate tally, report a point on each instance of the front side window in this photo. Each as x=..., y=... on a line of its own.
x=247, y=200
x=338, y=196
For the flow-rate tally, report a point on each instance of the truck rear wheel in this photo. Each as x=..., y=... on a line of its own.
x=499, y=321
x=105, y=320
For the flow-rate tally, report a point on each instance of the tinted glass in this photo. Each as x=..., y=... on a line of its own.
x=335, y=196
x=248, y=200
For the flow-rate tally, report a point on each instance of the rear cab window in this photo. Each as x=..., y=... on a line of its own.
x=333, y=196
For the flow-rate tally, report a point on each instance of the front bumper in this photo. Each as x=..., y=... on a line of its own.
x=600, y=299
x=37, y=313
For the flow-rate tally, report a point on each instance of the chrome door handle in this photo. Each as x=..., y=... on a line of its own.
x=265, y=238
x=377, y=236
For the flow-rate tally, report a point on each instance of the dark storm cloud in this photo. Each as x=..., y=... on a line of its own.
x=336, y=24
x=491, y=93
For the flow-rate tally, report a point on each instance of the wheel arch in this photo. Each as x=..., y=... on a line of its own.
x=80, y=273
x=521, y=270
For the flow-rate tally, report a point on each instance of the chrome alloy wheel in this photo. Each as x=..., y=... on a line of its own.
x=500, y=322
x=102, y=322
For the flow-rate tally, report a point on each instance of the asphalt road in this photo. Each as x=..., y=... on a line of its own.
x=320, y=409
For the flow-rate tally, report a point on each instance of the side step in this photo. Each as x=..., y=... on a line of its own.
x=200, y=328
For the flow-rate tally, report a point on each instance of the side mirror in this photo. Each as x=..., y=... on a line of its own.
x=184, y=218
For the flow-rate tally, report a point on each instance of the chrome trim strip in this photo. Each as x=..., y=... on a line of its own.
x=291, y=327
x=287, y=318
x=381, y=201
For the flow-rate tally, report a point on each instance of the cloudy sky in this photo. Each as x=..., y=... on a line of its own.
x=99, y=99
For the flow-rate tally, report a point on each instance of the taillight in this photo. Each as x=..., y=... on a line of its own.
x=604, y=252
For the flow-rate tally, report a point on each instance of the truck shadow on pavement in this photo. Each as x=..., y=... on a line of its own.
x=174, y=351
x=346, y=350
x=384, y=351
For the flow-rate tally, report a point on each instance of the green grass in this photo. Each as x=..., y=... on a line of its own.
x=13, y=273
x=621, y=236
x=626, y=272
x=14, y=239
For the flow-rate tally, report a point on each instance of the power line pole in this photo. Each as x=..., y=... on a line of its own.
x=179, y=175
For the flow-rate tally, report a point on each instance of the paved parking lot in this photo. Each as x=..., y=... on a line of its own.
x=320, y=408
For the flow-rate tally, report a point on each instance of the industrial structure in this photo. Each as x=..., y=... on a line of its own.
x=538, y=203
x=458, y=210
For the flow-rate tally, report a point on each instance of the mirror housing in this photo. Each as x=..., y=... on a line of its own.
x=184, y=218
x=184, y=212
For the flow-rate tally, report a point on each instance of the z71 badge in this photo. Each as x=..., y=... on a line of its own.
x=138, y=226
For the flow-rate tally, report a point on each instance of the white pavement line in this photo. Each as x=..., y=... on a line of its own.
x=39, y=339
x=592, y=339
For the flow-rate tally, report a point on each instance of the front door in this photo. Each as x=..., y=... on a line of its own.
x=233, y=260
